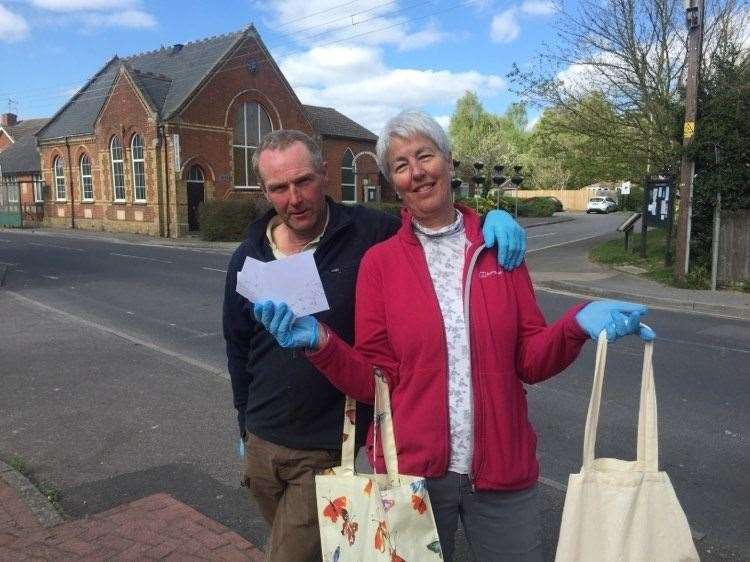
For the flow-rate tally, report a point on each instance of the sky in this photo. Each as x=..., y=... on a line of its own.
x=366, y=58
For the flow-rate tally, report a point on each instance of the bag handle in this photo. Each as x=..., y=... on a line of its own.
x=648, y=441
x=382, y=423
x=348, y=436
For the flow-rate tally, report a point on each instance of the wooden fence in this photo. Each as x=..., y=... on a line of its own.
x=571, y=199
x=734, y=247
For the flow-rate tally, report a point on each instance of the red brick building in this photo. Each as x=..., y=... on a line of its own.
x=21, y=186
x=152, y=135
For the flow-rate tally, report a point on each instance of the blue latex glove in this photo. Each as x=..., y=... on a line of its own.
x=499, y=226
x=616, y=317
x=288, y=330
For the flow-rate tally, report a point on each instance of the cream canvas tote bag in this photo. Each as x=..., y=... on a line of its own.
x=374, y=518
x=624, y=511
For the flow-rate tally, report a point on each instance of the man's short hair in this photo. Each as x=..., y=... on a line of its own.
x=283, y=138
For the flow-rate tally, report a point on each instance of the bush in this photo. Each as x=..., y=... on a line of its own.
x=386, y=207
x=537, y=207
x=228, y=220
x=633, y=201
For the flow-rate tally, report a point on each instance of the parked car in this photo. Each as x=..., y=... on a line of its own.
x=601, y=205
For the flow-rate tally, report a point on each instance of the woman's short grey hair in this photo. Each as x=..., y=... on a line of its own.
x=410, y=123
x=284, y=138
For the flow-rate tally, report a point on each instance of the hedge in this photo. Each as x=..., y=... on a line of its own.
x=228, y=220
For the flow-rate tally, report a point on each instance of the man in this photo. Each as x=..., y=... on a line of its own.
x=290, y=416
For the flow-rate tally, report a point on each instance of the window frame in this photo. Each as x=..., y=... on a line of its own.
x=115, y=165
x=247, y=148
x=37, y=184
x=84, y=176
x=12, y=188
x=59, y=178
x=353, y=185
x=138, y=163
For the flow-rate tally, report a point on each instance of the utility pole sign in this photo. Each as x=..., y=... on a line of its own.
x=694, y=10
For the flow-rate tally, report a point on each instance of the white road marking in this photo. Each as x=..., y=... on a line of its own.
x=10, y=264
x=50, y=277
x=214, y=269
x=102, y=328
x=138, y=257
x=564, y=243
x=57, y=247
x=4, y=240
x=542, y=235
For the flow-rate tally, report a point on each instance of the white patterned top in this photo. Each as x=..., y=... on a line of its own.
x=445, y=250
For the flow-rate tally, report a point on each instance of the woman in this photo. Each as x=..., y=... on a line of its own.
x=456, y=337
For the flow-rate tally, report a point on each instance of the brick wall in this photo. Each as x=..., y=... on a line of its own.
x=124, y=115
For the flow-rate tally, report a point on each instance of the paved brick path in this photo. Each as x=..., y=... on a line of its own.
x=157, y=527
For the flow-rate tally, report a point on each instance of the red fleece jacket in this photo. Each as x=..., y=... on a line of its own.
x=399, y=328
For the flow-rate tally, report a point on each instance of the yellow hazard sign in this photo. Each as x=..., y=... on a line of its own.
x=689, y=129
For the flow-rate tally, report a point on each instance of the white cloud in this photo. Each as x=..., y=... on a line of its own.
x=538, y=7
x=357, y=82
x=13, y=27
x=533, y=123
x=84, y=5
x=128, y=18
x=444, y=120
x=505, y=27
x=366, y=22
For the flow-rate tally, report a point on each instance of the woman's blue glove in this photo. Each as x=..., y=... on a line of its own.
x=616, y=317
x=500, y=227
x=288, y=330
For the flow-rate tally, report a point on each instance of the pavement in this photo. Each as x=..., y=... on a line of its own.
x=156, y=527
x=161, y=527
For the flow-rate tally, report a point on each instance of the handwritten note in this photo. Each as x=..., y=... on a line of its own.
x=293, y=280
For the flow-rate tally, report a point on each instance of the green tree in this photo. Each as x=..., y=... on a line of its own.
x=721, y=146
x=478, y=135
x=564, y=153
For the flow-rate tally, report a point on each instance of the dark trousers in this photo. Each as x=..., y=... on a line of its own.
x=282, y=481
x=499, y=526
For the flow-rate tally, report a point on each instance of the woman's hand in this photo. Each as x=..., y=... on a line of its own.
x=616, y=317
x=283, y=325
x=500, y=227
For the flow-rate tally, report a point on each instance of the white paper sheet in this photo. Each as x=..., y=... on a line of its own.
x=293, y=280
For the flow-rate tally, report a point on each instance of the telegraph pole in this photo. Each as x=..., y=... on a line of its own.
x=694, y=10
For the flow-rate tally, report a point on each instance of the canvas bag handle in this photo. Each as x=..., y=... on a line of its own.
x=382, y=423
x=648, y=441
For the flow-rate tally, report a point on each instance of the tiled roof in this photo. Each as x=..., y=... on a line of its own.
x=328, y=122
x=22, y=156
x=167, y=76
x=22, y=128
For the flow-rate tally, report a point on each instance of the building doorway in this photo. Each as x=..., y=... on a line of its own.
x=196, y=194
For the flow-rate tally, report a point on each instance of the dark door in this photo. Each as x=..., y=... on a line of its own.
x=195, y=196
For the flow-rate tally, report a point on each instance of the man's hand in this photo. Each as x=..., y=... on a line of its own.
x=616, y=317
x=288, y=330
x=500, y=227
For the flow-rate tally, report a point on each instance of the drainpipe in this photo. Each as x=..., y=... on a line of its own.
x=163, y=135
x=72, y=188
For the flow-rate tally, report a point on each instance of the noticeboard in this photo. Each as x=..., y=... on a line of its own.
x=658, y=195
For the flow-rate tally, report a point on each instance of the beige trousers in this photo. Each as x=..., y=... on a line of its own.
x=282, y=482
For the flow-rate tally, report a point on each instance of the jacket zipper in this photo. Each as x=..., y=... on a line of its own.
x=478, y=390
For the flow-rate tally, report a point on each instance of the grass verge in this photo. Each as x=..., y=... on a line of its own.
x=614, y=253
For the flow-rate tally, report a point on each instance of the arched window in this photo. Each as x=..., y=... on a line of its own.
x=139, y=168
x=118, y=169
x=59, y=173
x=251, y=123
x=87, y=185
x=348, y=183
x=195, y=174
